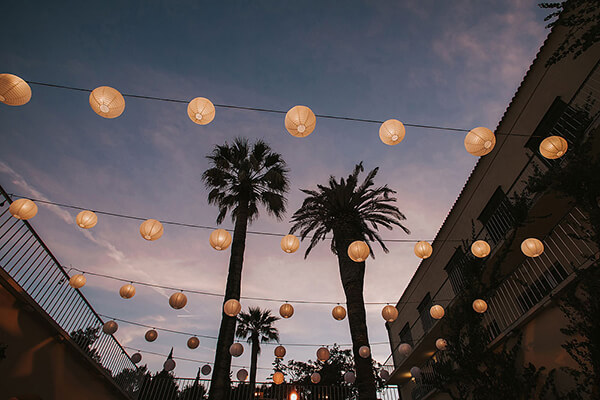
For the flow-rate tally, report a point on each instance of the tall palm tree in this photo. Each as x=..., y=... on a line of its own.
x=257, y=326
x=241, y=178
x=351, y=211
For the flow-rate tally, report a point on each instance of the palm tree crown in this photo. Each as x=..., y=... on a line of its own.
x=257, y=324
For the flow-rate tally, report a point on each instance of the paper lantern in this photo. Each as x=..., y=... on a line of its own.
x=23, y=209
x=86, y=219
x=323, y=354
x=278, y=378
x=532, y=247
x=220, y=239
x=151, y=229
x=405, y=349
x=480, y=248
x=169, y=365
x=480, y=306
x=389, y=313
x=136, y=358
x=77, y=281
x=193, y=343
x=177, y=300
x=480, y=141
x=441, y=344
x=300, y=121
x=553, y=147
x=127, y=291
x=14, y=91
x=364, y=351
x=206, y=369
x=391, y=132
x=349, y=377
x=242, y=374
x=338, y=313
x=358, y=251
x=201, y=111
x=151, y=335
x=110, y=327
x=423, y=250
x=286, y=310
x=236, y=349
x=415, y=372
x=279, y=352
x=290, y=243
x=107, y=102
x=383, y=374
x=232, y=307
x=436, y=311
x=315, y=378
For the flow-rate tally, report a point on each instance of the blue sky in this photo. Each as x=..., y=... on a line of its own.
x=429, y=62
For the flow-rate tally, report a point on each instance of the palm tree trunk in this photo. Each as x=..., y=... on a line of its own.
x=352, y=275
x=254, y=361
x=220, y=381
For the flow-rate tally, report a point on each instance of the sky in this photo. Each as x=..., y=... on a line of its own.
x=454, y=64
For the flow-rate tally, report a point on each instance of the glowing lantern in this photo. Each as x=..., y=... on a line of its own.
x=364, y=351
x=279, y=351
x=300, y=121
x=423, y=250
x=110, y=327
x=290, y=243
x=206, y=369
x=480, y=249
x=383, y=374
x=405, y=349
x=23, y=209
x=358, y=251
x=392, y=132
x=136, y=358
x=553, y=147
x=177, y=300
x=14, y=91
x=193, y=342
x=532, y=247
x=436, y=311
x=278, y=378
x=323, y=354
x=480, y=141
x=77, y=281
x=315, y=378
x=232, y=307
x=151, y=335
x=107, y=102
x=219, y=239
x=389, y=313
x=151, y=229
x=86, y=219
x=480, y=306
x=349, y=377
x=415, y=372
x=242, y=374
x=338, y=313
x=236, y=349
x=441, y=344
x=127, y=291
x=201, y=111
x=169, y=365
x=286, y=310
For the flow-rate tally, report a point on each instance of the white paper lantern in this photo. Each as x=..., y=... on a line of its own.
x=23, y=209
x=553, y=147
x=193, y=343
x=151, y=229
x=532, y=247
x=136, y=358
x=391, y=132
x=279, y=351
x=480, y=141
x=315, y=378
x=364, y=351
x=220, y=239
x=236, y=349
x=14, y=91
x=405, y=349
x=110, y=327
x=436, y=311
x=480, y=248
x=441, y=344
x=290, y=243
x=358, y=251
x=127, y=291
x=169, y=365
x=107, y=102
x=383, y=374
x=232, y=307
x=415, y=372
x=389, y=313
x=242, y=374
x=86, y=219
x=151, y=335
x=338, y=313
x=480, y=306
x=300, y=121
x=77, y=281
x=349, y=377
x=201, y=111
x=177, y=300
x=323, y=354
x=423, y=250
x=286, y=310
x=278, y=378
x=206, y=369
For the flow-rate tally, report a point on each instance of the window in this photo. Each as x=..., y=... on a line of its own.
x=423, y=309
x=454, y=269
x=406, y=335
x=497, y=217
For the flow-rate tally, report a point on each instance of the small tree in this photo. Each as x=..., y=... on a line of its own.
x=85, y=338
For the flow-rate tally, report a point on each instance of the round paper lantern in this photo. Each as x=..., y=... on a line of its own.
x=127, y=291
x=290, y=243
x=480, y=248
x=151, y=335
x=23, y=209
x=553, y=147
x=169, y=365
x=423, y=249
x=441, y=344
x=364, y=351
x=532, y=247
x=151, y=229
x=480, y=306
x=201, y=111
x=177, y=300
x=107, y=102
x=391, y=132
x=110, y=327
x=278, y=378
x=220, y=239
x=349, y=377
x=206, y=369
x=14, y=91
x=136, y=358
x=405, y=349
x=480, y=141
x=286, y=310
x=300, y=121
x=77, y=281
x=236, y=349
x=315, y=377
x=242, y=374
x=383, y=374
x=389, y=313
x=193, y=342
x=323, y=354
x=358, y=251
x=436, y=311
x=338, y=313
x=86, y=219
x=232, y=307
x=279, y=351
x=415, y=372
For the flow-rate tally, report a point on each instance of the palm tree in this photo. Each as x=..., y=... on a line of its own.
x=351, y=211
x=241, y=177
x=257, y=326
